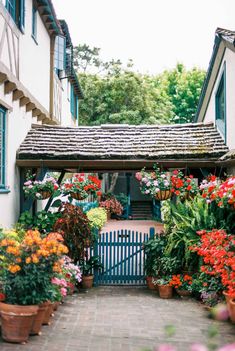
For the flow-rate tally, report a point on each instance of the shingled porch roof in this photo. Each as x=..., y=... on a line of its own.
x=121, y=146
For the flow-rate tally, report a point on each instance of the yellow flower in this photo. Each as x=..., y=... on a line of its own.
x=13, y=268
x=18, y=260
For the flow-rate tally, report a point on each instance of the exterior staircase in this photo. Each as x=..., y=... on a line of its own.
x=141, y=210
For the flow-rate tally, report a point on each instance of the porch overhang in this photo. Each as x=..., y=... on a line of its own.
x=121, y=147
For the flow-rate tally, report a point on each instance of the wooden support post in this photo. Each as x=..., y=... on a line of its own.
x=9, y=87
x=30, y=106
x=24, y=100
x=17, y=94
x=128, y=193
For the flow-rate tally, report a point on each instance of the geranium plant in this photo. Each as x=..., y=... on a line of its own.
x=153, y=182
x=93, y=185
x=29, y=267
x=182, y=282
x=38, y=188
x=112, y=205
x=71, y=272
x=77, y=185
x=182, y=185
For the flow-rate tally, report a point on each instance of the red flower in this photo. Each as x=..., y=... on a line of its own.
x=2, y=297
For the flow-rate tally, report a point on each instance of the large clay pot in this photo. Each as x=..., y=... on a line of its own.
x=149, y=282
x=48, y=313
x=228, y=299
x=56, y=305
x=17, y=322
x=165, y=291
x=45, y=195
x=38, y=320
x=87, y=281
x=163, y=195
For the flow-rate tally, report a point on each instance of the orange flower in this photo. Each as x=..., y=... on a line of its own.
x=14, y=268
x=28, y=260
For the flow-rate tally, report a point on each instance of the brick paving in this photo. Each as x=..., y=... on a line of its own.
x=123, y=319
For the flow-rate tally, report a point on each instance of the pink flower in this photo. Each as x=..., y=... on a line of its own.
x=198, y=347
x=138, y=176
x=228, y=347
x=220, y=312
x=63, y=292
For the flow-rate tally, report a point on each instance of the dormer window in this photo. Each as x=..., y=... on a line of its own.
x=220, y=104
x=16, y=9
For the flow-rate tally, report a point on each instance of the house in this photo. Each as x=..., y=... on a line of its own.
x=217, y=103
x=38, y=84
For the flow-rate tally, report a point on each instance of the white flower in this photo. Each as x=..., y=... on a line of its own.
x=148, y=184
x=155, y=183
x=163, y=176
x=147, y=191
x=157, y=190
x=38, y=195
x=166, y=183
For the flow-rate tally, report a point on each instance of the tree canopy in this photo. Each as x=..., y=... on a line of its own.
x=115, y=93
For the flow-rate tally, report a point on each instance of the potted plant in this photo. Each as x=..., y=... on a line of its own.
x=164, y=287
x=93, y=186
x=88, y=266
x=97, y=217
x=28, y=268
x=40, y=189
x=72, y=273
x=112, y=206
x=153, y=252
x=183, y=186
x=182, y=283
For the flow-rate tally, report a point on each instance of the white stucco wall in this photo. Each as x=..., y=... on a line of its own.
x=67, y=118
x=35, y=58
x=18, y=124
x=229, y=58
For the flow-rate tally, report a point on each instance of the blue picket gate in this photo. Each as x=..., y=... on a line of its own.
x=122, y=256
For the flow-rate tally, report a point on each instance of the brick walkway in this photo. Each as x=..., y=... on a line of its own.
x=121, y=319
x=140, y=226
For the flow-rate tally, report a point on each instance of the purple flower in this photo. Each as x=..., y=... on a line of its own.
x=220, y=312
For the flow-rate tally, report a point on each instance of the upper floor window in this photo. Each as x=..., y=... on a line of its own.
x=74, y=103
x=220, y=104
x=2, y=148
x=60, y=53
x=34, y=22
x=16, y=8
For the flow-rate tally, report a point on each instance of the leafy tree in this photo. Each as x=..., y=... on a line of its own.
x=116, y=94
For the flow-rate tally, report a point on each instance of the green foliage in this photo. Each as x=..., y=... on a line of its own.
x=122, y=198
x=188, y=218
x=154, y=249
x=97, y=217
x=43, y=220
x=117, y=94
x=89, y=265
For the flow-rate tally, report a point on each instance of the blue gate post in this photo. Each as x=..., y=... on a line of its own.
x=128, y=192
x=96, y=270
x=151, y=232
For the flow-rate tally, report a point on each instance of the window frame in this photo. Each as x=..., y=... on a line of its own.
x=16, y=9
x=74, y=102
x=34, y=22
x=3, y=111
x=221, y=123
x=59, y=65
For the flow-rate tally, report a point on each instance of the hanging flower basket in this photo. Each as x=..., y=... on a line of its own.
x=78, y=196
x=163, y=195
x=45, y=195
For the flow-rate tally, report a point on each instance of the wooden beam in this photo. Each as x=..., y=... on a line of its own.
x=3, y=77
x=17, y=94
x=41, y=117
x=30, y=106
x=24, y=100
x=9, y=87
x=36, y=112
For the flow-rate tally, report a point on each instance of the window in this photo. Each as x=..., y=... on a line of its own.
x=220, y=104
x=2, y=147
x=34, y=22
x=16, y=8
x=60, y=53
x=74, y=104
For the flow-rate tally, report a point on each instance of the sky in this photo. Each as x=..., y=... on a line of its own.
x=156, y=34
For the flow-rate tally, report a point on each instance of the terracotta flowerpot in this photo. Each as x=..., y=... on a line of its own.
x=71, y=289
x=232, y=310
x=183, y=293
x=17, y=322
x=78, y=196
x=228, y=299
x=165, y=291
x=38, y=320
x=56, y=305
x=163, y=195
x=87, y=281
x=45, y=195
x=108, y=215
x=149, y=282
x=48, y=313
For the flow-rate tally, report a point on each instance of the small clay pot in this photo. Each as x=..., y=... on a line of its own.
x=228, y=299
x=87, y=281
x=183, y=293
x=165, y=291
x=48, y=313
x=149, y=282
x=38, y=320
